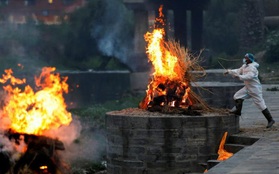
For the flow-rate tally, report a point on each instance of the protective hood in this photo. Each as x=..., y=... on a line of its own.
x=255, y=64
x=250, y=56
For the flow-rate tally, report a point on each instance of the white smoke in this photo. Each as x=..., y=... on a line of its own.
x=66, y=133
x=89, y=147
x=112, y=30
x=6, y=144
x=12, y=149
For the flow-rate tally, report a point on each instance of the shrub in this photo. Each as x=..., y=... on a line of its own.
x=272, y=46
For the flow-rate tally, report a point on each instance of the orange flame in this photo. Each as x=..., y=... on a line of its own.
x=33, y=112
x=169, y=70
x=164, y=62
x=223, y=154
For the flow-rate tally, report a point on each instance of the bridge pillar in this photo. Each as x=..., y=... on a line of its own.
x=138, y=59
x=180, y=25
x=141, y=27
x=192, y=40
x=196, y=29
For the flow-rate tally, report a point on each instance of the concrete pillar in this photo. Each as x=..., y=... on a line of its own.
x=180, y=25
x=141, y=27
x=196, y=29
x=138, y=59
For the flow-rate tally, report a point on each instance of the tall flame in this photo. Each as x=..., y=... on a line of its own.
x=165, y=63
x=223, y=154
x=34, y=112
x=170, y=65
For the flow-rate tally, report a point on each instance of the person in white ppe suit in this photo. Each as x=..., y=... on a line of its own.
x=248, y=73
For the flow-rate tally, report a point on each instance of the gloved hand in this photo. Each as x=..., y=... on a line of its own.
x=226, y=72
x=237, y=77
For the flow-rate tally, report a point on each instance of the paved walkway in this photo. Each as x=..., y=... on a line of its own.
x=263, y=156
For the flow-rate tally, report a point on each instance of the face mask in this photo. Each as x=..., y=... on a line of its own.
x=244, y=61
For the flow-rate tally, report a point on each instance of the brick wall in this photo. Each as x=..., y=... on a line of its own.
x=165, y=144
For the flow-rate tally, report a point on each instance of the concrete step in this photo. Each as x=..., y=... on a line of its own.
x=235, y=139
x=234, y=148
x=233, y=144
x=212, y=163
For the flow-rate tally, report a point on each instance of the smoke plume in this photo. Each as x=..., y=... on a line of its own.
x=113, y=29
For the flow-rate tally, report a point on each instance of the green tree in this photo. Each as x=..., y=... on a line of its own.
x=102, y=30
x=222, y=26
x=79, y=45
x=52, y=43
x=272, y=46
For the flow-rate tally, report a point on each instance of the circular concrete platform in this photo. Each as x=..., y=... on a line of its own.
x=140, y=141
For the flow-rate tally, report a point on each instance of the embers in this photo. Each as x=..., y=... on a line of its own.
x=172, y=97
x=38, y=154
x=170, y=93
x=173, y=110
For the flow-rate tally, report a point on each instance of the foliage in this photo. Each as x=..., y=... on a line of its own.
x=51, y=48
x=69, y=45
x=97, y=112
x=79, y=44
x=88, y=167
x=18, y=45
x=222, y=60
x=272, y=47
x=105, y=43
x=222, y=26
x=26, y=35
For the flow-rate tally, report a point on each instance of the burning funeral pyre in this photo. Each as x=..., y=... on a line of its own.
x=170, y=87
x=30, y=121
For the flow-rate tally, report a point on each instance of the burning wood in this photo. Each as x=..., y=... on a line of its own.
x=36, y=154
x=32, y=119
x=169, y=88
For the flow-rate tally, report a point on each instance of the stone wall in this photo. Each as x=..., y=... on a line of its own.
x=165, y=144
x=87, y=88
